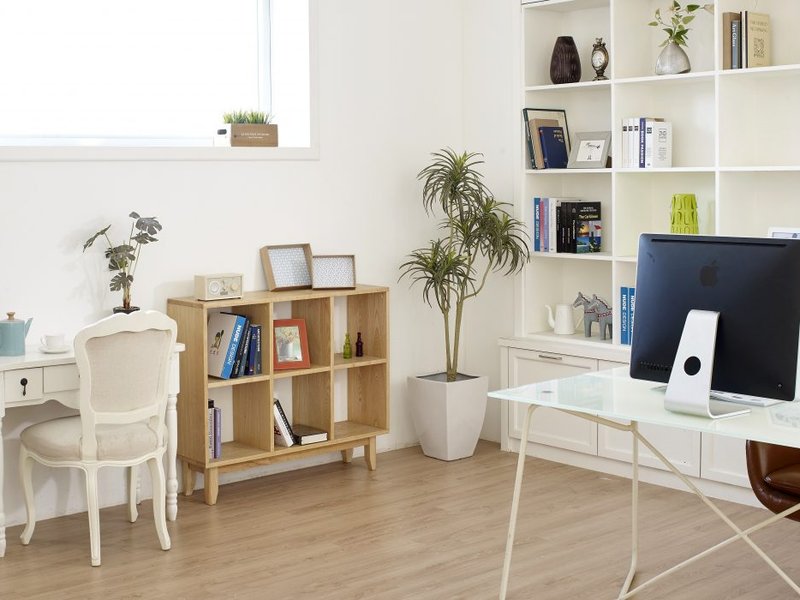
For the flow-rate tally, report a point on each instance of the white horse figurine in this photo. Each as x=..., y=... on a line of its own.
x=589, y=313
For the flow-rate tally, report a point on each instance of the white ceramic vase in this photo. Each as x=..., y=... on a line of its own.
x=448, y=417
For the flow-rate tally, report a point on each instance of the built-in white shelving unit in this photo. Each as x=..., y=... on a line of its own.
x=734, y=147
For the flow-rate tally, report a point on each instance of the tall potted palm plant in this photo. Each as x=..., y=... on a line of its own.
x=479, y=237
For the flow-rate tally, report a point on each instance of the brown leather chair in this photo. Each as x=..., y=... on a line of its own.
x=774, y=473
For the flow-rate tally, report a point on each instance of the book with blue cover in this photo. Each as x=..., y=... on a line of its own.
x=554, y=147
x=224, y=333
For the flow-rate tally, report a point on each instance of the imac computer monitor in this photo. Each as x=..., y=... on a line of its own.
x=754, y=286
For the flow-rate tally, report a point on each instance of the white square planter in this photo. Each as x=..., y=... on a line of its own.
x=448, y=417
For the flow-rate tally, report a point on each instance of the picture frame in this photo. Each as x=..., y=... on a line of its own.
x=290, y=344
x=531, y=134
x=786, y=233
x=590, y=150
x=333, y=271
x=287, y=267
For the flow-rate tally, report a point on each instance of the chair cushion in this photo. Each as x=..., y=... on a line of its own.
x=786, y=479
x=60, y=439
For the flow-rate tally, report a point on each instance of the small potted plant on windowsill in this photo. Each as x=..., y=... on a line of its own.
x=124, y=258
x=251, y=128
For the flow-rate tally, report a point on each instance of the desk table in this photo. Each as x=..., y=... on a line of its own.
x=36, y=377
x=608, y=397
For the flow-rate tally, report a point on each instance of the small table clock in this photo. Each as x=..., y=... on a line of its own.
x=599, y=59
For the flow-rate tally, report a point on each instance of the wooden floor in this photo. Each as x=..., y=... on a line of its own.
x=416, y=528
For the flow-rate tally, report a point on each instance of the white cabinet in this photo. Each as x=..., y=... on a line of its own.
x=723, y=459
x=548, y=426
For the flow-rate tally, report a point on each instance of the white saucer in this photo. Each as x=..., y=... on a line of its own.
x=59, y=350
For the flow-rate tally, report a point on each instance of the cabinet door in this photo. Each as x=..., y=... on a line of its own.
x=550, y=426
x=723, y=459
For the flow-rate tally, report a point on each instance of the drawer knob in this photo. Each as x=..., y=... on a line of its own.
x=24, y=383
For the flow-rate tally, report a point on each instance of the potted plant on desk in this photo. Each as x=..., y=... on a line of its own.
x=480, y=237
x=124, y=258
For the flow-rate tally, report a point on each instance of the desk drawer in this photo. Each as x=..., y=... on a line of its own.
x=14, y=388
x=61, y=378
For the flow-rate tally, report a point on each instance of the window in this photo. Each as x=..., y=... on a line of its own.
x=150, y=72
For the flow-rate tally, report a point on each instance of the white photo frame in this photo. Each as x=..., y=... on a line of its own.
x=333, y=271
x=590, y=150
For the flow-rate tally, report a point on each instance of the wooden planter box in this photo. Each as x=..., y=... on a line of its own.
x=247, y=134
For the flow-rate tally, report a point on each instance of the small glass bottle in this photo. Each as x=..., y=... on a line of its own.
x=359, y=345
x=347, y=351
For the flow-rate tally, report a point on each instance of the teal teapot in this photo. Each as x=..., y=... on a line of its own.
x=12, y=335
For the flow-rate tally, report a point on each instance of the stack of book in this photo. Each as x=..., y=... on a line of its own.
x=566, y=225
x=745, y=40
x=234, y=346
x=547, y=144
x=288, y=435
x=627, y=304
x=646, y=143
x=214, y=430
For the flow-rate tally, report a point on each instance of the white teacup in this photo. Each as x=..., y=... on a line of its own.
x=53, y=341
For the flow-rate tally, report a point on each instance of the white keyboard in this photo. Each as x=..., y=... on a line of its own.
x=743, y=399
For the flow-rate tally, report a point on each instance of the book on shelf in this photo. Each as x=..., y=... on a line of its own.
x=658, y=145
x=217, y=432
x=587, y=227
x=627, y=311
x=757, y=39
x=537, y=140
x=224, y=332
x=305, y=434
x=537, y=215
x=284, y=435
x=728, y=31
x=252, y=350
x=529, y=139
x=214, y=430
x=554, y=147
x=624, y=332
x=646, y=143
x=736, y=41
x=240, y=347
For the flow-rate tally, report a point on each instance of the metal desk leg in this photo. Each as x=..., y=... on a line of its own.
x=512, y=523
x=634, y=512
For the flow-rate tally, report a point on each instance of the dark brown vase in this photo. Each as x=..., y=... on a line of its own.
x=565, y=65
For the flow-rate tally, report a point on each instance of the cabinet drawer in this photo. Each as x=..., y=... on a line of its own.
x=60, y=378
x=14, y=387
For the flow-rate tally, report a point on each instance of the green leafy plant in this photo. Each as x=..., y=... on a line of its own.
x=245, y=116
x=480, y=237
x=676, y=25
x=124, y=258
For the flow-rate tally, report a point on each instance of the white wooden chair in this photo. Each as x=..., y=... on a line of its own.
x=123, y=362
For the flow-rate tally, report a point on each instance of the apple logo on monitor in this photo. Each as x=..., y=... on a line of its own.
x=708, y=275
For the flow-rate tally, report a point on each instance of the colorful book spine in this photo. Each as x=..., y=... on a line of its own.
x=259, y=337
x=537, y=215
x=211, y=428
x=631, y=311
x=233, y=346
x=545, y=224
x=554, y=147
x=252, y=350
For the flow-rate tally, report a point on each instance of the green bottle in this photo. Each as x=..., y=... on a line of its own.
x=347, y=351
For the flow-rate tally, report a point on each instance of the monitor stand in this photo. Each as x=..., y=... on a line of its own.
x=689, y=387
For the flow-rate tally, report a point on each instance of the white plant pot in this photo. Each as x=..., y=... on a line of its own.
x=448, y=416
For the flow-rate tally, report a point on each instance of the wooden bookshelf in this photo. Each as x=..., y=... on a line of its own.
x=312, y=400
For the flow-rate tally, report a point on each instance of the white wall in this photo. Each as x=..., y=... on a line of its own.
x=391, y=85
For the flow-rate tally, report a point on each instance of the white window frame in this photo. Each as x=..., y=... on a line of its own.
x=46, y=153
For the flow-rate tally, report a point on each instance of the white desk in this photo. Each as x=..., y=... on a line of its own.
x=606, y=395
x=55, y=377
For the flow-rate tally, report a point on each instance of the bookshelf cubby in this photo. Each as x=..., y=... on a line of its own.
x=313, y=400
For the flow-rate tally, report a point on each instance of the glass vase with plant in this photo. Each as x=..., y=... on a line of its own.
x=124, y=258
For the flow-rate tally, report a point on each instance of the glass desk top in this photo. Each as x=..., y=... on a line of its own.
x=615, y=395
